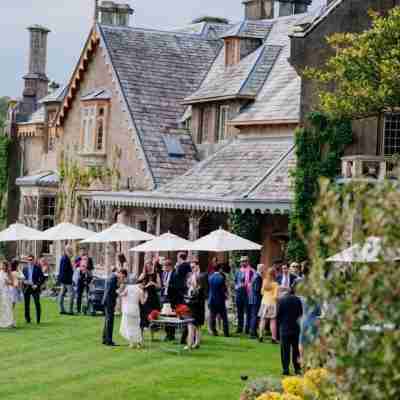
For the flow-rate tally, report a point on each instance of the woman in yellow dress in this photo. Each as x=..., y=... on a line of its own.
x=268, y=310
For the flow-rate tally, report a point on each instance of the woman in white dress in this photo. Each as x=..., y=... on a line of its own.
x=7, y=319
x=132, y=296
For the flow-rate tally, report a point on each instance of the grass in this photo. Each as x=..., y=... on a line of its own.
x=63, y=359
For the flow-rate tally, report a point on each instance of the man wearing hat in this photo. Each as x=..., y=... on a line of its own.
x=243, y=280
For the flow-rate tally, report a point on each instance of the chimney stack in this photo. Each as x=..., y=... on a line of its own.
x=112, y=13
x=36, y=81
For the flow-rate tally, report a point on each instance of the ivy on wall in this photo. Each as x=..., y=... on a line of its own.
x=248, y=226
x=318, y=151
x=4, y=156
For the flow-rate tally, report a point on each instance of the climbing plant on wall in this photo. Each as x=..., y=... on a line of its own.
x=248, y=226
x=4, y=155
x=318, y=150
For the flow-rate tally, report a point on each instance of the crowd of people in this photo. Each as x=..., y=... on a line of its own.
x=261, y=298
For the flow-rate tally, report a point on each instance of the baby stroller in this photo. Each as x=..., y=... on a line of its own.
x=95, y=296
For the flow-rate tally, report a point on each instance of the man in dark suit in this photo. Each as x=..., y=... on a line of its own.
x=255, y=298
x=182, y=271
x=109, y=303
x=290, y=310
x=65, y=275
x=286, y=280
x=168, y=293
x=217, y=301
x=33, y=279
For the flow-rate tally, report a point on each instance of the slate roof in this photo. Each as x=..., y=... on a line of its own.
x=250, y=29
x=234, y=171
x=37, y=117
x=243, y=79
x=156, y=71
x=205, y=29
x=56, y=96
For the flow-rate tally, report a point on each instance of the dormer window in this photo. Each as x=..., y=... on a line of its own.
x=94, y=118
x=289, y=7
x=222, y=123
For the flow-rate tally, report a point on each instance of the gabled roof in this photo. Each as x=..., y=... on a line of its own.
x=156, y=70
x=207, y=30
x=57, y=96
x=244, y=79
x=252, y=29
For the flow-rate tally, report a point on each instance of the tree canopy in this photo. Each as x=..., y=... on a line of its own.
x=3, y=112
x=364, y=71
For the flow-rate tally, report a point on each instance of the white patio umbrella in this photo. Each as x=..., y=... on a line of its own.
x=66, y=231
x=17, y=232
x=119, y=233
x=166, y=242
x=370, y=252
x=221, y=240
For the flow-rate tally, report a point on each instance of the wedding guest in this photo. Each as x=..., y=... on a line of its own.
x=212, y=266
x=16, y=292
x=152, y=284
x=268, y=310
x=132, y=297
x=285, y=280
x=182, y=269
x=81, y=280
x=65, y=280
x=255, y=299
x=289, y=312
x=109, y=303
x=195, y=302
x=294, y=269
x=84, y=254
x=7, y=319
x=217, y=301
x=33, y=280
x=167, y=293
x=243, y=279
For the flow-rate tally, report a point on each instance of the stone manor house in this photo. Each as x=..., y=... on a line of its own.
x=191, y=124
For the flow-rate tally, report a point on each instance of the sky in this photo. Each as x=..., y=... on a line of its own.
x=70, y=22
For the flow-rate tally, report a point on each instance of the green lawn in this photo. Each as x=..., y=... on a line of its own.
x=63, y=359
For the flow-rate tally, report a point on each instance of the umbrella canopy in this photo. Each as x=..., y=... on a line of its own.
x=370, y=252
x=166, y=242
x=66, y=231
x=17, y=232
x=119, y=233
x=221, y=240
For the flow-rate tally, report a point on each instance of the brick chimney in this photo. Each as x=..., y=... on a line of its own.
x=112, y=13
x=36, y=81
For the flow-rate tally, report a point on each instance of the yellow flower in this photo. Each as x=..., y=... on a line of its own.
x=316, y=376
x=270, y=396
x=288, y=396
x=294, y=385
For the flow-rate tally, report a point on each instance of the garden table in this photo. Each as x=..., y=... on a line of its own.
x=179, y=325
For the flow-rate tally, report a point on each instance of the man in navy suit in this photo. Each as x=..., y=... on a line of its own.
x=33, y=279
x=255, y=299
x=109, y=303
x=286, y=280
x=217, y=301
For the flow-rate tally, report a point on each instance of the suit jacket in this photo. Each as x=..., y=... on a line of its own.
x=292, y=279
x=66, y=272
x=255, y=296
x=217, y=290
x=110, y=292
x=290, y=310
x=37, y=275
x=240, y=279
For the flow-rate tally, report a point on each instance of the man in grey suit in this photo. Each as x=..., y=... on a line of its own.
x=109, y=302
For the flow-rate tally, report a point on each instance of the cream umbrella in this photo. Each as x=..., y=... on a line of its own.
x=166, y=242
x=221, y=240
x=119, y=233
x=66, y=231
x=370, y=252
x=18, y=232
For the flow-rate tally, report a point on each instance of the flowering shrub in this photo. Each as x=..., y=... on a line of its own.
x=309, y=387
x=259, y=386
